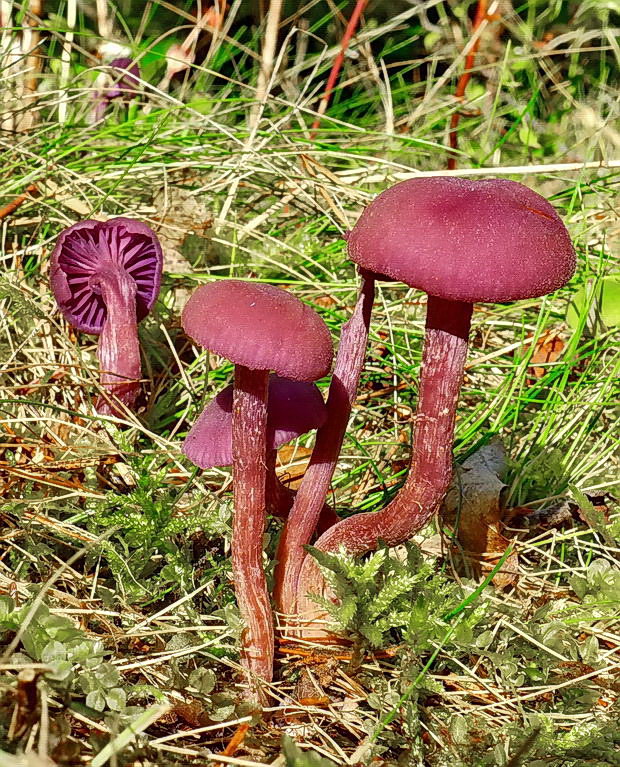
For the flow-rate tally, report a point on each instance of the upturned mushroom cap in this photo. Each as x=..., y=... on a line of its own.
x=490, y=240
x=86, y=250
x=294, y=408
x=261, y=327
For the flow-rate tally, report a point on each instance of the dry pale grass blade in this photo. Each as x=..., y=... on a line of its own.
x=272, y=25
x=65, y=58
x=506, y=170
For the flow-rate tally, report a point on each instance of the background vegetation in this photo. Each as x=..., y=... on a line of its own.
x=117, y=617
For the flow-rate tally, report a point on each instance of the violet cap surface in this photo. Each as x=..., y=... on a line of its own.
x=261, y=327
x=489, y=240
x=125, y=73
x=86, y=250
x=293, y=408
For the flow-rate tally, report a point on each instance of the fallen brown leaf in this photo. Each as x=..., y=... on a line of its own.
x=473, y=506
x=293, y=462
x=549, y=348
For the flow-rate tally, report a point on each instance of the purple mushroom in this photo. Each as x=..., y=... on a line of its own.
x=105, y=277
x=295, y=408
x=307, y=513
x=124, y=75
x=462, y=242
x=259, y=328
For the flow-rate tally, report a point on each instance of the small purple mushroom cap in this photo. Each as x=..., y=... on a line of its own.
x=294, y=408
x=489, y=240
x=85, y=250
x=261, y=327
x=126, y=82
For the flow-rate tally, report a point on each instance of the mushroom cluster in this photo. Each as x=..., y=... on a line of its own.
x=459, y=241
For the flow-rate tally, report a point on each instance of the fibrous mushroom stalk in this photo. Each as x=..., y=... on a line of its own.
x=443, y=361
x=249, y=430
x=313, y=490
x=118, y=349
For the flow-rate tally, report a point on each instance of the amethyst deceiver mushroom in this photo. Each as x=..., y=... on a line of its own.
x=260, y=328
x=105, y=277
x=124, y=84
x=306, y=515
x=294, y=408
x=461, y=242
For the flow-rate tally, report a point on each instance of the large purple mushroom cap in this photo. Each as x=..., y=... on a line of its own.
x=261, y=327
x=294, y=408
x=86, y=250
x=462, y=240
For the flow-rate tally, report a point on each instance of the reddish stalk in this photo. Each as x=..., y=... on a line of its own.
x=459, y=93
x=443, y=361
x=249, y=430
x=314, y=487
x=119, y=348
x=337, y=65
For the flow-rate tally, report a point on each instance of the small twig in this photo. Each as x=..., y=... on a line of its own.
x=481, y=15
x=12, y=206
x=236, y=740
x=338, y=61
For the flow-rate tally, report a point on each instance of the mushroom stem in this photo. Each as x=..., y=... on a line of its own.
x=280, y=498
x=249, y=430
x=441, y=375
x=314, y=487
x=118, y=349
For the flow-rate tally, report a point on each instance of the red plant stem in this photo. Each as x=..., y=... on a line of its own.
x=249, y=435
x=481, y=14
x=314, y=486
x=443, y=360
x=119, y=348
x=12, y=206
x=280, y=498
x=338, y=61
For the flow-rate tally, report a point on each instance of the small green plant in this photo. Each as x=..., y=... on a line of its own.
x=389, y=596
x=536, y=743
x=148, y=554
x=74, y=660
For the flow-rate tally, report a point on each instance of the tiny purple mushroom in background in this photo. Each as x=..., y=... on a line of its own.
x=294, y=408
x=123, y=76
x=105, y=278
